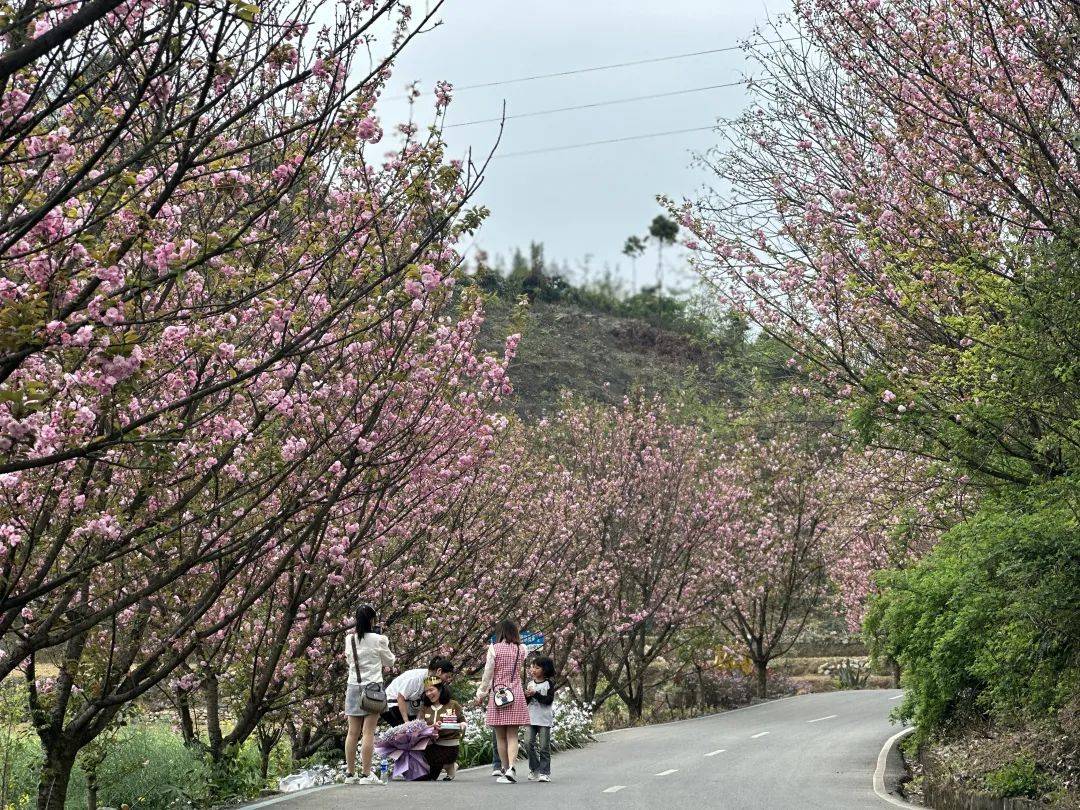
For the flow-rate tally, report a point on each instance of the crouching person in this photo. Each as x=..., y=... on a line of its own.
x=446, y=715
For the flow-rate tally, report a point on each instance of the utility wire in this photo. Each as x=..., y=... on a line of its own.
x=613, y=66
x=599, y=143
x=596, y=104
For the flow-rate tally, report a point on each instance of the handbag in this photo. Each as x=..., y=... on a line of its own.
x=504, y=695
x=372, y=694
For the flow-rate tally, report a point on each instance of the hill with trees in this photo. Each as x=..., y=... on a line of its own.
x=599, y=342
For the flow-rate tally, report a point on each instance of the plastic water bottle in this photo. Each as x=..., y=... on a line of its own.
x=384, y=771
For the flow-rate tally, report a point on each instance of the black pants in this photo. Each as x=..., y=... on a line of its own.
x=393, y=716
x=439, y=757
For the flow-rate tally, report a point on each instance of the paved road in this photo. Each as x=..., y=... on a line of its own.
x=814, y=752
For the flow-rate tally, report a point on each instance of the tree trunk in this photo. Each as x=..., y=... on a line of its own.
x=895, y=666
x=761, y=671
x=187, y=722
x=91, y=790
x=590, y=682
x=213, y=718
x=55, y=776
x=267, y=741
x=638, y=696
x=298, y=740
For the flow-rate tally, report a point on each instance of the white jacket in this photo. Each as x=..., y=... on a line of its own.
x=372, y=654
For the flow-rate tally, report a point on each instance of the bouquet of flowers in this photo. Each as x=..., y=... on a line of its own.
x=404, y=746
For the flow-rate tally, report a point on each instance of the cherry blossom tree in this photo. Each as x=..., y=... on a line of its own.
x=223, y=333
x=423, y=554
x=640, y=504
x=811, y=530
x=900, y=207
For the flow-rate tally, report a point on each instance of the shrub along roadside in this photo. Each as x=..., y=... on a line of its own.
x=986, y=630
x=146, y=767
x=988, y=622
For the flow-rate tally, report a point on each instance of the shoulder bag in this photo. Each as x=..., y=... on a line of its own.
x=504, y=695
x=372, y=694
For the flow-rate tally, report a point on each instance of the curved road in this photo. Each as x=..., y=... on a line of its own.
x=812, y=751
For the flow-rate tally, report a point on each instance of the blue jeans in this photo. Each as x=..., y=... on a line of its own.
x=496, y=763
x=538, y=741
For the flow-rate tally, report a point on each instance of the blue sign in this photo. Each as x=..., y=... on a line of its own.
x=534, y=641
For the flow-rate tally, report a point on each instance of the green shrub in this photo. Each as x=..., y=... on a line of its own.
x=145, y=766
x=852, y=674
x=237, y=776
x=149, y=767
x=475, y=752
x=1021, y=777
x=989, y=621
x=20, y=761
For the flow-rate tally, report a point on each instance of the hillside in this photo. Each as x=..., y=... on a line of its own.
x=602, y=355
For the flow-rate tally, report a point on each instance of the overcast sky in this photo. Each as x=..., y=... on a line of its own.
x=581, y=202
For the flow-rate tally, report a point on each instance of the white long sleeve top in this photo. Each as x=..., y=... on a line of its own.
x=489, y=671
x=372, y=654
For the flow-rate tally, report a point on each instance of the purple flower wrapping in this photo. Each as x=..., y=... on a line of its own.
x=404, y=746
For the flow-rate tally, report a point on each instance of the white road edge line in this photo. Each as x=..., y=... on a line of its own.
x=614, y=789
x=896, y=697
x=879, y=771
x=759, y=734
x=717, y=751
x=826, y=717
x=668, y=772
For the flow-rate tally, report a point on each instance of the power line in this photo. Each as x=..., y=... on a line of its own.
x=600, y=143
x=613, y=66
x=616, y=65
x=597, y=104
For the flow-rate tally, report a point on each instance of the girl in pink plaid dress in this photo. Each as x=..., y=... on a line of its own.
x=503, y=674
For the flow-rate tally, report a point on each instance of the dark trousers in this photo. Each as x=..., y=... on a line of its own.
x=393, y=716
x=538, y=741
x=439, y=757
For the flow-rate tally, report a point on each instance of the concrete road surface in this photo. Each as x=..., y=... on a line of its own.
x=813, y=752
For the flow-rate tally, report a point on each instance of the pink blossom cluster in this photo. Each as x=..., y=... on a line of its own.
x=236, y=371
x=903, y=168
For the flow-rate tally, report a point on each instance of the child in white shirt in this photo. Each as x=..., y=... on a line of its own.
x=540, y=695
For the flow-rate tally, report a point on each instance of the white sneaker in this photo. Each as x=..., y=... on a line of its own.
x=508, y=777
x=352, y=780
x=544, y=778
x=496, y=772
x=532, y=776
x=370, y=779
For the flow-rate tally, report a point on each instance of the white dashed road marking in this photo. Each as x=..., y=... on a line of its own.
x=668, y=772
x=614, y=789
x=717, y=751
x=819, y=719
x=896, y=697
x=759, y=734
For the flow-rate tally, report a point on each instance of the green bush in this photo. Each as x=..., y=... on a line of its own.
x=475, y=752
x=237, y=776
x=146, y=767
x=852, y=674
x=20, y=761
x=149, y=767
x=989, y=621
x=1021, y=777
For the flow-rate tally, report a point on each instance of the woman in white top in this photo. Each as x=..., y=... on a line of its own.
x=367, y=653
